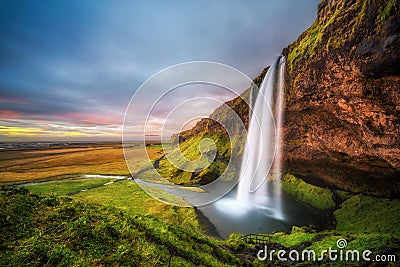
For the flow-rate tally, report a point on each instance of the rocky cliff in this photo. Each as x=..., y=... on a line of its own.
x=343, y=97
x=342, y=100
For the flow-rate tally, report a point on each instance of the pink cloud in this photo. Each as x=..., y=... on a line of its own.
x=9, y=114
x=91, y=119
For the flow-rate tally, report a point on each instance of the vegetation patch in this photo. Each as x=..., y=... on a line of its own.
x=306, y=45
x=51, y=230
x=67, y=187
x=332, y=30
x=129, y=197
x=362, y=213
x=293, y=238
x=378, y=244
x=207, y=168
x=387, y=11
x=320, y=198
x=343, y=195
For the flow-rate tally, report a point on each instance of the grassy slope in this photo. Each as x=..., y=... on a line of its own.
x=129, y=197
x=356, y=213
x=209, y=128
x=190, y=150
x=369, y=214
x=124, y=195
x=53, y=230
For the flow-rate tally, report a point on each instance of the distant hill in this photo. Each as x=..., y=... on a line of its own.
x=211, y=127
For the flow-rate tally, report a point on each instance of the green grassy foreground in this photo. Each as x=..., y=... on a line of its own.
x=130, y=198
x=125, y=195
x=362, y=213
x=50, y=230
x=67, y=187
x=120, y=225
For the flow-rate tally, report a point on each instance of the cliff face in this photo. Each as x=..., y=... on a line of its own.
x=343, y=97
x=342, y=101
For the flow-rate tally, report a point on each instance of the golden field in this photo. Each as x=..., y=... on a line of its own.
x=58, y=162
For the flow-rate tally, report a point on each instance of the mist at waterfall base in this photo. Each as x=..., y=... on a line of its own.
x=256, y=204
x=226, y=216
x=262, y=150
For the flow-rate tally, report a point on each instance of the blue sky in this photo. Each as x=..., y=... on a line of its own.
x=69, y=68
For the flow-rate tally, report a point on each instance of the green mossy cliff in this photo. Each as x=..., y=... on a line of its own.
x=317, y=197
x=342, y=102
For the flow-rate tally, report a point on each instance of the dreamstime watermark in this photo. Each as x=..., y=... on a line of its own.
x=339, y=254
x=169, y=102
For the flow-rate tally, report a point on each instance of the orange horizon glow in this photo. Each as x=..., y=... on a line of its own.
x=20, y=126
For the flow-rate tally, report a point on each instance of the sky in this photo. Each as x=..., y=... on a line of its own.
x=68, y=69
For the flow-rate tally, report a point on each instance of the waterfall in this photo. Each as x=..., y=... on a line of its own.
x=260, y=174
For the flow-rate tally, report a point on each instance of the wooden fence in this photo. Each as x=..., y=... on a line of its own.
x=256, y=239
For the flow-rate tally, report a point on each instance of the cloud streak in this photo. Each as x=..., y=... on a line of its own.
x=79, y=62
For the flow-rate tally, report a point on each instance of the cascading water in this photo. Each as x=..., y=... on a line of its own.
x=262, y=153
x=256, y=205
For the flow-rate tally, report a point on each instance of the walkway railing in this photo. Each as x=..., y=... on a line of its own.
x=256, y=239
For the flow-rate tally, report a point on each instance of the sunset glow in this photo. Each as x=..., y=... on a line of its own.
x=66, y=77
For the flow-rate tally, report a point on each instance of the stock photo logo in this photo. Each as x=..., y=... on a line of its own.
x=172, y=105
x=332, y=254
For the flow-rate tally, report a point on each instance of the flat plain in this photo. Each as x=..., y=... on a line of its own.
x=58, y=162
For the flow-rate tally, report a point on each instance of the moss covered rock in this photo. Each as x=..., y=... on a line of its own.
x=362, y=213
x=342, y=84
x=317, y=197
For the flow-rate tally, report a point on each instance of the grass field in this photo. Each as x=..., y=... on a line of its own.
x=57, y=231
x=43, y=164
x=120, y=225
x=63, y=188
x=124, y=195
x=27, y=165
x=129, y=197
